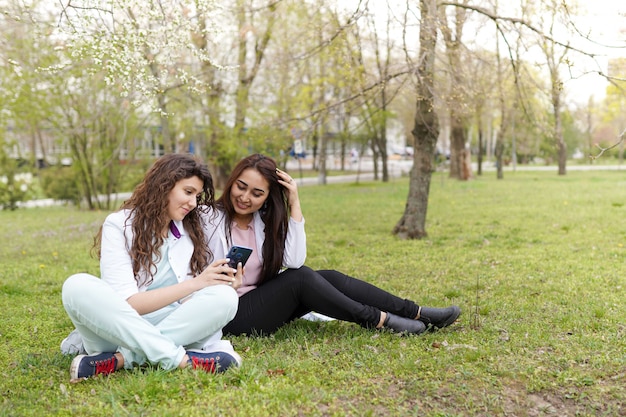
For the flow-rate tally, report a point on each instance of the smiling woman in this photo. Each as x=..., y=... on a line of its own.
x=183, y=198
x=156, y=274
x=260, y=209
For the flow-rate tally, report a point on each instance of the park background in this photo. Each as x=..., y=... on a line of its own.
x=93, y=90
x=525, y=192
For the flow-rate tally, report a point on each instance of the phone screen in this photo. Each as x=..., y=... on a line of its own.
x=238, y=254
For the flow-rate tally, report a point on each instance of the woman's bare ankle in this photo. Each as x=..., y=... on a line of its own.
x=184, y=362
x=381, y=322
x=120, y=361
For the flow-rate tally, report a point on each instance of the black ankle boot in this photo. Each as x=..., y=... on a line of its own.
x=438, y=317
x=402, y=324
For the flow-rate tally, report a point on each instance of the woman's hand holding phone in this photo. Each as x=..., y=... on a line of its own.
x=238, y=277
x=237, y=257
x=217, y=273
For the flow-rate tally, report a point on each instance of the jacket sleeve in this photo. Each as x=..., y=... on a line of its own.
x=295, y=245
x=213, y=225
x=115, y=262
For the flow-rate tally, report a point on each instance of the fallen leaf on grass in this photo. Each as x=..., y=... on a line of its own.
x=275, y=372
x=372, y=348
x=504, y=335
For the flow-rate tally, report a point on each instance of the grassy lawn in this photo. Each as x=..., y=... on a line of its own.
x=536, y=262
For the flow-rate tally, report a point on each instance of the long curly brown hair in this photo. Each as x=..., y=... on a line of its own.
x=275, y=213
x=148, y=205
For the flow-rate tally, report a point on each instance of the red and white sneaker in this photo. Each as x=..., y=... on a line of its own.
x=213, y=362
x=86, y=366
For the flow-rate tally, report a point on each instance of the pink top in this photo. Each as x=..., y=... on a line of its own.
x=253, y=266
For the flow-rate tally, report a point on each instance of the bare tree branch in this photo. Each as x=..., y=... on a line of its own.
x=351, y=21
x=69, y=5
x=603, y=150
x=350, y=98
x=586, y=36
x=516, y=21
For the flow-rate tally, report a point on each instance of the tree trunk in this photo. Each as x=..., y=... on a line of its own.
x=562, y=149
x=384, y=157
x=375, y=156
x=383, y=144
x=457, y=148
x=479, y=157
x=425, y=131
x=321, y=163
x=499, y=151
x=166, y=135
x=456, y=97
x=243, y=87
x=558, y=127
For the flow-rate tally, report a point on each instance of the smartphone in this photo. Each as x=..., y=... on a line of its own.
x=238, y=254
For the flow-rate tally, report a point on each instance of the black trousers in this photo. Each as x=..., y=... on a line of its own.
x=296, y=292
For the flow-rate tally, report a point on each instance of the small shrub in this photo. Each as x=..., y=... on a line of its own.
x=133, y=173
x=12, y=191
x=61, y=183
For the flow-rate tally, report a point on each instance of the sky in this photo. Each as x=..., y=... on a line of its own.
x=603, y=20
x=606, y=19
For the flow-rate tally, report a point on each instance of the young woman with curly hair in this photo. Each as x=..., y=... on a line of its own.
x=260, y=209
x=160, y=299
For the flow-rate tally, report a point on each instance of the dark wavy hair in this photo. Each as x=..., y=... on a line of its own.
x=148, y=205
x=275, y=213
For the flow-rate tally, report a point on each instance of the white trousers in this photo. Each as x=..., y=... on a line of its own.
x=107, y=323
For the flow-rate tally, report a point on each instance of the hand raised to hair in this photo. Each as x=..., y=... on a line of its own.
x=292, y=194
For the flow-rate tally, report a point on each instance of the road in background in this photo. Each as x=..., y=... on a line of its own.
x=363, y=170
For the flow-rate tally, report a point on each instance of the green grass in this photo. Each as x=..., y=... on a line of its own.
x=536, y=262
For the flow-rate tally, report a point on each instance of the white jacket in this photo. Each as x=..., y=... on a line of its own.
x=116, y=266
